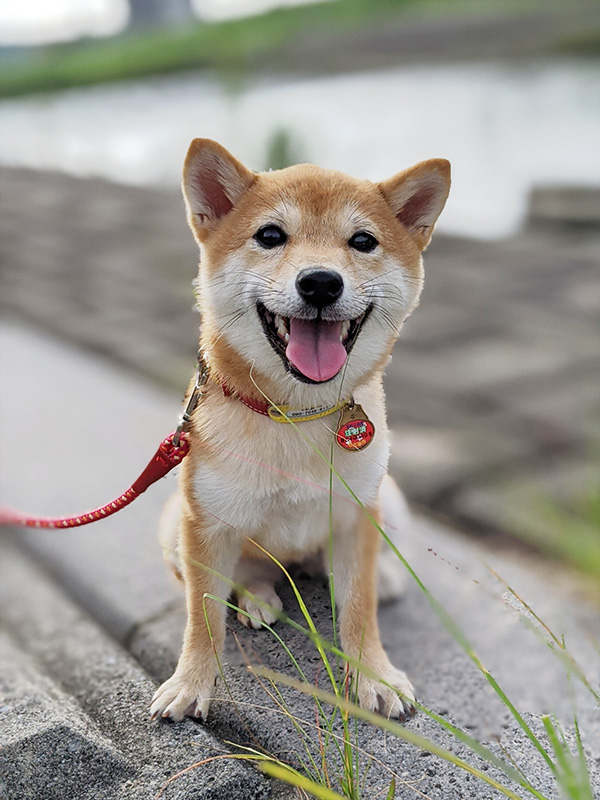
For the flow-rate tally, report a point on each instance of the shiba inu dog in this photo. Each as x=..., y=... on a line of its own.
x=306, y=276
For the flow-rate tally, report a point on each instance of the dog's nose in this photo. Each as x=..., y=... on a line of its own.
x=319, y=287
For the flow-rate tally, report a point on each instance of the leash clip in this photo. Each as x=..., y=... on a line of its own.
x=201, y=379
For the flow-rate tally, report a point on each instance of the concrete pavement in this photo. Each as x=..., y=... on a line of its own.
x=89, y=619
x=495, y=380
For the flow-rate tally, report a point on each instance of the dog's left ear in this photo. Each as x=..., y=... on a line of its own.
x=417, y=197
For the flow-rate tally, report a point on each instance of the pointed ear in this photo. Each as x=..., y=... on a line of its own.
x=213, y=182
x=417, y=197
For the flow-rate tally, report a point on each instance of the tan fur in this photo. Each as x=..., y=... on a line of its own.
x=249, y=479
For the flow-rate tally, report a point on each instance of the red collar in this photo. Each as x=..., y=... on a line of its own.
x=260, y=406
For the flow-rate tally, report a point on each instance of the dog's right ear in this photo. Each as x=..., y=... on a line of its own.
x=213, y=182
x=417, y=197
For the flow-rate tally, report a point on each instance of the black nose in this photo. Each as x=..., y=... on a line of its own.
x=319, y=287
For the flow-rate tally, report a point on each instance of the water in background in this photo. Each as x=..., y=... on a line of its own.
x=505, y=127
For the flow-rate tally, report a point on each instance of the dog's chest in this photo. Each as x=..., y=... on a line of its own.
x=263, y=474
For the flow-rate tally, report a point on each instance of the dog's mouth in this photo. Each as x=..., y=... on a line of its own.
x=313, y=350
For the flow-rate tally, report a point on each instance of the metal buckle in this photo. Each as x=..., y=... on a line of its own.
x=201, y=379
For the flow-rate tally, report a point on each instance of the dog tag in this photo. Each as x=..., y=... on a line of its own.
x=355, y=431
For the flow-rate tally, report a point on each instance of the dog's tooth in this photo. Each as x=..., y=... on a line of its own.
x=280, y=326
x=344, y=329
x=286, y=337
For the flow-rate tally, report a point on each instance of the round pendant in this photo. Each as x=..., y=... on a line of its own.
x=355, y=430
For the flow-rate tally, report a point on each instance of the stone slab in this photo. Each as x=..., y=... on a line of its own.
x=49, y=748
x=432, y=462
x=522, y=505
x=75, y=434
x=566, y=204
x=88, y=699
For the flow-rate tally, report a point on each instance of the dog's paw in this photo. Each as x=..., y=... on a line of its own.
x=182, y=696
x=396, y=702
x=263, y=609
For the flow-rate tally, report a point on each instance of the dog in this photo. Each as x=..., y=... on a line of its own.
x=306, y=277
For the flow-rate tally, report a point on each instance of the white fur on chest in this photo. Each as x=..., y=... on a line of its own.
x=272, y=481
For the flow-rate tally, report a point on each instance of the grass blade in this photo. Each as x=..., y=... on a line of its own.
x=289, y=775
x=396, y=729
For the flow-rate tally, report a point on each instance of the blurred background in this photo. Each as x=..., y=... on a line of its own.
x=494, y=391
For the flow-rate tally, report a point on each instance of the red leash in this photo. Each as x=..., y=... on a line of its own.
x=171, y=452
x=168, y=456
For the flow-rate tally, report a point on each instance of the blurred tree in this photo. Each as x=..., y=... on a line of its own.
x=159, y=12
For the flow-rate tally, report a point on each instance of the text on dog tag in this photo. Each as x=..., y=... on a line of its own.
x=355, y=431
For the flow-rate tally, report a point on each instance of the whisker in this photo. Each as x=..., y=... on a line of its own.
x=230, y=314
x=388, y=291
x=228, y=324
x=258, y=276
x=217, y=279
x=378, y=277
x=376, y=280
x=383, y=316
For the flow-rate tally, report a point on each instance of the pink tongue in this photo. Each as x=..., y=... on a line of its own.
x=315, y=348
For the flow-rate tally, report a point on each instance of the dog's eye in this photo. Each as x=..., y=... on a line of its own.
x=270, y=236
x=363, y=241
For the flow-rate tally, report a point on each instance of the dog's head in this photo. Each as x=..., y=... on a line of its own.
x=306, y=274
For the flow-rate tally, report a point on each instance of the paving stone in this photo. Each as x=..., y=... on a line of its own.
x=91, y=737
x=139, y=237
x=513, y=504
x=49, y=748
x=561, y=410
x=574, y=204
x=481, y=365
x=429, y=462
x=91, y=443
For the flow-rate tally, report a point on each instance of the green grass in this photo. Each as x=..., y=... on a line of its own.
x=566, y=529
x=573, y=530
x=230, y=47
x=584, y=43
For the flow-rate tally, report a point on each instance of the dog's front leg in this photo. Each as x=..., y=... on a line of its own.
x=355, y=571
x=206, y=553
